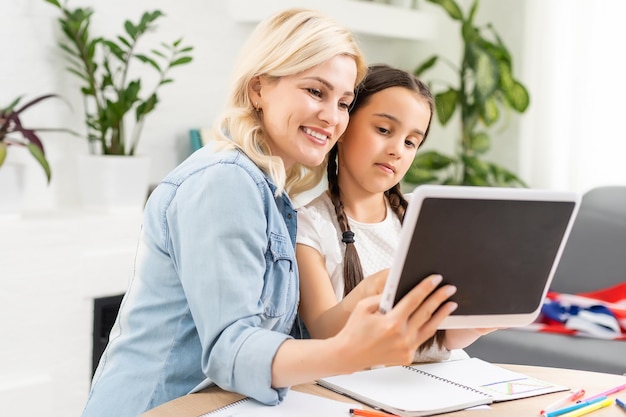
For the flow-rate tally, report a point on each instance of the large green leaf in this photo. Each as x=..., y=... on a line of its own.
x=419, y=176
x=132, y=92
x=37, y=152
x=472, y=12
x=479, y=142
x=115, y=50
x=470, y=34
x=431, y=160
x=181, y=61
x=3, y=152
x=146, y=107
x=148, y=60
x=498, y=49
x=11, y=106
x=429, y=168
x=426, y=65
x=124, y=41
x=489, y=111
x=476, y=180
x=148, y=18
x=450, y=180
x=476, y=172
x=158, y=53
x=451, y=7
x=445, y=104
x=517, y=96
x=91, y=51
x=131, y=29
x=486, y=72
x=476, y=166
x=69, y=50
x=515, y=93
x=78, y=74
x=505, y=178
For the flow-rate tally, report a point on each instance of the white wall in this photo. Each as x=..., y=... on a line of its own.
x=573, y=137
x=52, y=268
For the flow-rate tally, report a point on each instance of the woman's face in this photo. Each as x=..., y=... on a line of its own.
x=304, y=114
x=380, y=143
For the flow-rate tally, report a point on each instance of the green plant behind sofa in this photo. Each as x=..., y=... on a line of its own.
x=485, y=87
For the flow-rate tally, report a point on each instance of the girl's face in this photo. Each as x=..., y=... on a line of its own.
x=381, y=140
x=304, y=114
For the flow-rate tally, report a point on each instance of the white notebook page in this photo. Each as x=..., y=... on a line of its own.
x=295, y=404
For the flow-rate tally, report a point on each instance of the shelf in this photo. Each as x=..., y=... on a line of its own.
x=361, y=17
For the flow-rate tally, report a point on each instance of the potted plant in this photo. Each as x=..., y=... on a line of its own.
x=14, y=133
x=112, y=99
x=485, y=87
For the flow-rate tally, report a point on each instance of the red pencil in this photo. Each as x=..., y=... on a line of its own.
x=369, y=413
x=575, y=395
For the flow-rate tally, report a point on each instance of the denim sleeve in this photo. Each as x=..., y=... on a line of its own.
x=218, y=239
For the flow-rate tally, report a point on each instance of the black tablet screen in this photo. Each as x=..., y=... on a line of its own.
x=499, y=253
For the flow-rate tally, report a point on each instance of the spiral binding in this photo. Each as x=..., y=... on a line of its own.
x=226, y=407
x=419, y=371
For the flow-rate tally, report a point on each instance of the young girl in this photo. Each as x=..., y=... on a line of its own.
x=351, y=231
x=215, y=286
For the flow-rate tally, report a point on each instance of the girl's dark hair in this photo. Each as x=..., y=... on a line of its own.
x=378, y=78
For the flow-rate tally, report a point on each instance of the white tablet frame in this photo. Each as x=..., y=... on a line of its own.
x=468, y=192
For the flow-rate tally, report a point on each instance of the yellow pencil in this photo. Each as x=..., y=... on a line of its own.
x=589, y=408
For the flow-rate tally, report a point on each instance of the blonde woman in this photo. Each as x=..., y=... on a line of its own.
x=215, y=290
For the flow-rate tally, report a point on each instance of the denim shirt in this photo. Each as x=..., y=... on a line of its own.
x=214, y=291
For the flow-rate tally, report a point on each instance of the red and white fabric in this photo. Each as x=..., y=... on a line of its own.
x=597, y=314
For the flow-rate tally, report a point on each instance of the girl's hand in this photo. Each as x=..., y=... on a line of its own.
x=371, y=285
x=372, y=338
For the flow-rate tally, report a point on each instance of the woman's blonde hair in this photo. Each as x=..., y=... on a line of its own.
x=287, y=43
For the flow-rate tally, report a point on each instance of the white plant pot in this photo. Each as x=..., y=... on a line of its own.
x=113, y=183
x=11, y=188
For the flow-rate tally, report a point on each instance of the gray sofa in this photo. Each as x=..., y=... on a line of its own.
x=594, y=258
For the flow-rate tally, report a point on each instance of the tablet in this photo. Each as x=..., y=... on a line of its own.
x=498, y=246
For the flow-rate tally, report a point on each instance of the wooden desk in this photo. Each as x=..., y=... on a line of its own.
x=195, y=405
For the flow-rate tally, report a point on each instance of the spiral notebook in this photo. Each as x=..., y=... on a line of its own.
x=295, y=404
x=434, y=388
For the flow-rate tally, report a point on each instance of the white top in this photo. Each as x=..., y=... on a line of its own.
x=375, y=242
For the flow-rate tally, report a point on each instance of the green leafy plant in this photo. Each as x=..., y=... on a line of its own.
x=103, y=66
x=485, y=88
x=13, y=133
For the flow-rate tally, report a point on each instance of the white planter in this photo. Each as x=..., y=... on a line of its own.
x=11, y=188
x=113, y=183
